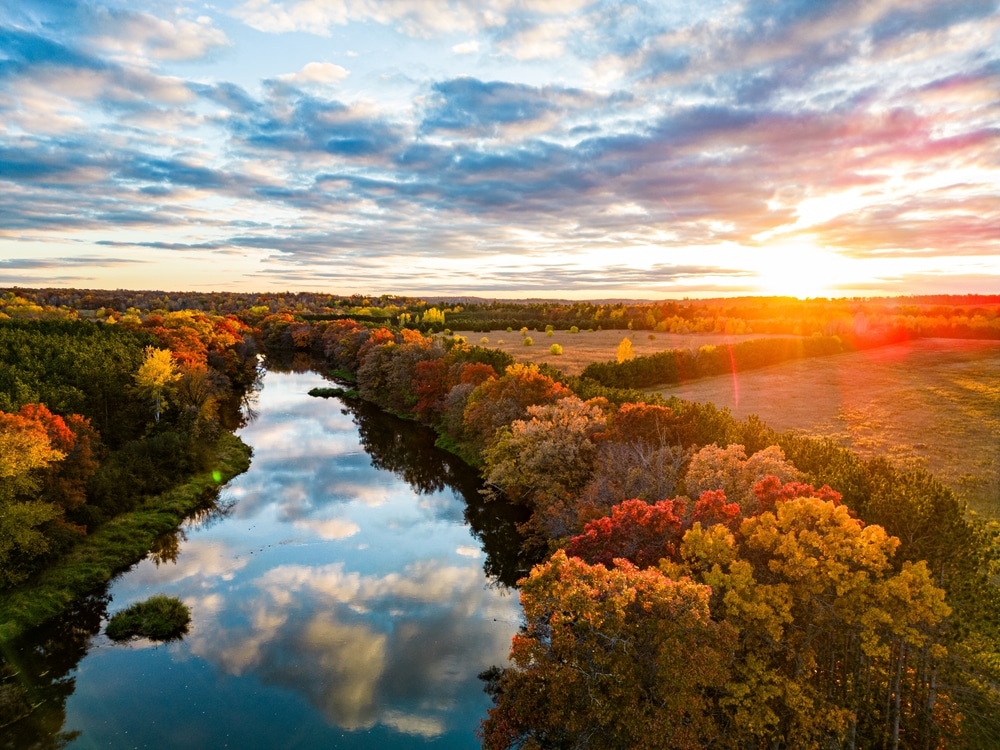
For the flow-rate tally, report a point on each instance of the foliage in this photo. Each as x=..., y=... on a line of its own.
x=545, y=461
x=155, y=374
x=827, y=626
x=158, y=618
x=679, y=365
x=624, y=352
x=497, y=403
x=729, y=469
x=118, y=544
x=620, y=658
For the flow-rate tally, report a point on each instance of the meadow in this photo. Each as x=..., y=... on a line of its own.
x=933, y=403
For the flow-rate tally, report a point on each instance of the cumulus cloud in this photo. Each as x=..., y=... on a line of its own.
x=140, y=36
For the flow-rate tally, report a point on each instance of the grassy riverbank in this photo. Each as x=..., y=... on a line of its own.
x=117, y=545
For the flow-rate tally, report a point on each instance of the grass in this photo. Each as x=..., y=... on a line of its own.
x=580, y=349
x=933, y=403
x=116, y=546
x=159, y=618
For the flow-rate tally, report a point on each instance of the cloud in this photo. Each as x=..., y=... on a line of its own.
x=317, y=72
x=320, y=16
x=474, y=107
x=363, y=649
x=466, y=48
x=139, y=37
x=22, y=264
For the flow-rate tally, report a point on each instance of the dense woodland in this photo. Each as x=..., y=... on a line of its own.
x=701, y=581
x=93, y=418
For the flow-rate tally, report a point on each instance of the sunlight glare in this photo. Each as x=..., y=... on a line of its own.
x=801, y=269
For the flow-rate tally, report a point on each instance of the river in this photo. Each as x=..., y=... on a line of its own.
x=340, y=598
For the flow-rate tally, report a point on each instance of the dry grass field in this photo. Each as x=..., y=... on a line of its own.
x=580, y=349
x=932, y=402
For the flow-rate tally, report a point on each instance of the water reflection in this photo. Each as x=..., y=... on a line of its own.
x=333, y=604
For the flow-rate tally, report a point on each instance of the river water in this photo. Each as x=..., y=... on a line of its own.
x=339, y=597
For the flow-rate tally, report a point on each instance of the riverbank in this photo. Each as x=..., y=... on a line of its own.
x=117, y=545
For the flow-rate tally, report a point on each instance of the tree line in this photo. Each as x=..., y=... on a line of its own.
x=949, y=316
x=706, y=582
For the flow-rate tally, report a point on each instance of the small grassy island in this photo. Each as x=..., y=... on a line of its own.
x=334, y=392
x=159, y=618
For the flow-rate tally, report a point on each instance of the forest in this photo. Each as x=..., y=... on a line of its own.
x=96, y=419
x=697, y=580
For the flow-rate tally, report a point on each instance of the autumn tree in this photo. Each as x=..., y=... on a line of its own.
x=730, y=470
x=155, y=374
x=497, y=403
x=616, y=658
x=545, y=460
x=25, y=450
x=828, y=627
x=65, y=481
x=624, y=352
x=638, y=456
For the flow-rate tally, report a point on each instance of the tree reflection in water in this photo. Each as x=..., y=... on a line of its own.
x=35, y=677
x=407, y=449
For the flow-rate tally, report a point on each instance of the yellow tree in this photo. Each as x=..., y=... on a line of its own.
x=625, y=350
x=155, y=374
x=836, y=644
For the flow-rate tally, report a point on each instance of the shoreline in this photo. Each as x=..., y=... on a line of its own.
x=117, y=545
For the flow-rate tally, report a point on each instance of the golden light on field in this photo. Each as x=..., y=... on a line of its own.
x=798, y=268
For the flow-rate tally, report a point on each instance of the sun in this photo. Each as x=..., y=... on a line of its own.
x=798, y=268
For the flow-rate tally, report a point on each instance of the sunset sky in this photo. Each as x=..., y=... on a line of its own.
x=502, y=148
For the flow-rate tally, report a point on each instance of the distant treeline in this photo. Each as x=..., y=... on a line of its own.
x=950, y=316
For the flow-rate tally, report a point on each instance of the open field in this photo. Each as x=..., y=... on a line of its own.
x=580, y=349
x=931, y=402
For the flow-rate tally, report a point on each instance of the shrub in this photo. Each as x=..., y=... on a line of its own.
x=528, y=341
x=484, y=340
x=555, y=349
x=574, y=329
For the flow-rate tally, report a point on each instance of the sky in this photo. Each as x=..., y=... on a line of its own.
x=567, y=149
